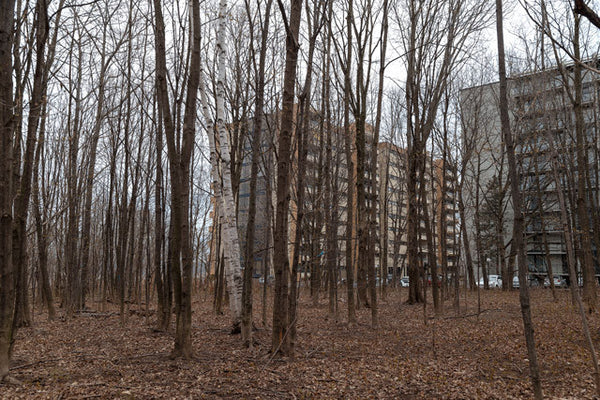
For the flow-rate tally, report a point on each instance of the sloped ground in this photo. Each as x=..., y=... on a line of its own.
x=452, y=357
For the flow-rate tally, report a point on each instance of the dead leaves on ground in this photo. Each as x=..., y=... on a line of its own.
x=466, y=356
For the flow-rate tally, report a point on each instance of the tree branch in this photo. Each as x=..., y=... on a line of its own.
x=286, y=24
x=582, y=9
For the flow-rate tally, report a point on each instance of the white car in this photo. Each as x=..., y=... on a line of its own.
x=558, y=282
x=516, y=283
x=494, y=281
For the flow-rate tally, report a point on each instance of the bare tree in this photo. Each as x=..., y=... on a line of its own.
x=41, y=217
x=435, y=39
x=281, y=312
x=7, y=294
x=106, y=58
x=41, y=228
x=73, y=130
x=567, y=231
x=224, y=188
x=518, y=239
x=22, y=314
x=179, y=162
x=255, y=139
x=351, y=171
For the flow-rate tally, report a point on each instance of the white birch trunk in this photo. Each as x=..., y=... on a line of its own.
x=224, y=192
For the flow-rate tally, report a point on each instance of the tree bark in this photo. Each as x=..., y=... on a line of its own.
x=518, y=238
x=584, y=10
x=230, y=232
x=20, y=261
x=180, y=250
x=350, y=173
x=7, y=294
x=256, y=140
x=281, y=322
x=41, y=229
x=161, y=277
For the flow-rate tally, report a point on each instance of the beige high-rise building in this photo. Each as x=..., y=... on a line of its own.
x=386, y=192
x=393, y=208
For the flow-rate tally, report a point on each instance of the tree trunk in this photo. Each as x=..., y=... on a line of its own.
x=302, y=144
x=350, y=173
x=162, y=283
x=256, y=140
x=415, y=291
x=123, y=218
x=589, y=278
x=430, y=236
x=224, y=191
x=331, y=193
x=89, y=185
x=518, y=239
x=41, y=218
x=20, y=261
x=7, y=294
x=281, y=322
x=180, y=251
x=481, y=262
x=108, y=234
x=374, y=195
x=41, y=229
x=72, y=234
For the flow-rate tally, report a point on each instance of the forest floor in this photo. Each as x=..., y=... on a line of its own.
x=468, y=356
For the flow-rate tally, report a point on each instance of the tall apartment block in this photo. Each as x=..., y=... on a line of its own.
x=440, y=182
x=543, y=122
x=327, y=175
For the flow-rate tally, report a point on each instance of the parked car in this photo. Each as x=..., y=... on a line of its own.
x=404, y=282
x=558, y=282
x=563, y=282
x=516, y=283
x=494, y=281
x=270, y=279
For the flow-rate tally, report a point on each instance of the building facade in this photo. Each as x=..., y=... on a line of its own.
x=543, y=123
x=440, y=199
x=326, y=202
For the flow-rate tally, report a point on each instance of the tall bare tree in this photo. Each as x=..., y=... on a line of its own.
x=281, y=321
x=7, y=294
x=256, y=140
x=22, y=314
x=233, y=273
x=564, y=31
x=105, y=62
x=518, y=238
x=435, y=39
x=73, y=130
x=179, y=162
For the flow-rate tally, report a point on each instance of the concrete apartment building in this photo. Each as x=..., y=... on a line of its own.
x=543, y=124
